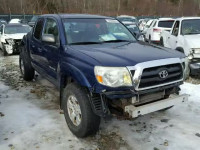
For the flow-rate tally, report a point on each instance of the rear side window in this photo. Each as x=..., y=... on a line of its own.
x=166, y=24
x=38, y=28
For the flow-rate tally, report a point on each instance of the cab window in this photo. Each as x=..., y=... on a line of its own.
x=52, y=28
x=38, y=28
x=176, y=28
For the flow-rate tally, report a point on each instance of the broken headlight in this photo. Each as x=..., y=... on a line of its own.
x=10, y=41
x=196, y=50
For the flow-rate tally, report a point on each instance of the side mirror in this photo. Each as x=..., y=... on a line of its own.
x=49, y=38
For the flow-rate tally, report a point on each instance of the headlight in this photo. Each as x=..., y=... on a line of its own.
x=10, y=41
x=196, y=50
x=113, y=76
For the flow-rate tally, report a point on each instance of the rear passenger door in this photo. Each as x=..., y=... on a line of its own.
x=36, y=52
x=52, y=50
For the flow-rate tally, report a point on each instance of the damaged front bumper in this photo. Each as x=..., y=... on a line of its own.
x=134, y=111
x=195, y=67
x=12, y=46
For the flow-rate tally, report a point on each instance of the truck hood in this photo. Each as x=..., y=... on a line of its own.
x=125, y=54
x=14, y=36
x=193, y=40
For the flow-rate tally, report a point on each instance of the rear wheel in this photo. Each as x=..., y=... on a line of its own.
x=161, y=42
x=149, y=40
x=26, y=68
x=78, y=113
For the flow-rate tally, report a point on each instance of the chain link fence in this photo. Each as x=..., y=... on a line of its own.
x=8, y=17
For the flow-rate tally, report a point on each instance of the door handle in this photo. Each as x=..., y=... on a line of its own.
x=176, y=41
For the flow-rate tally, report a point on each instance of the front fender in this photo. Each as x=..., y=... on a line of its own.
x=76, y=74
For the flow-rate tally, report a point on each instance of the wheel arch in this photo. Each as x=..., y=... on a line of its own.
x=180, y=49
x=72, y=74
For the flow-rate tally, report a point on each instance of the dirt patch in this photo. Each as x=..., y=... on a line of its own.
x=11, y=76
x=109, y=141
x=193, y=80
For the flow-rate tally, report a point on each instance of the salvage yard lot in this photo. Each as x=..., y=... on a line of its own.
x=30, y=119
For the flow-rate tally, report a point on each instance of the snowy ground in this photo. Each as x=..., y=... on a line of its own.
x=30, y=119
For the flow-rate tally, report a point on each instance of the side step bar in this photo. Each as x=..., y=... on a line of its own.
x=152, y=107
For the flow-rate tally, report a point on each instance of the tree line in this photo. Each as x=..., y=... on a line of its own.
x=103, y=7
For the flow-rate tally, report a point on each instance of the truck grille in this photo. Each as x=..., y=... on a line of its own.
x=151, y=76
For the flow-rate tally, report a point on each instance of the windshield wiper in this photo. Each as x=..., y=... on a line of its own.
x=115, y=41
x=84, y=43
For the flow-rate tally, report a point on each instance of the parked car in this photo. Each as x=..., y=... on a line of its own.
x=99, y=69
x=32, y=21
x=135, y=30
x=147, y=25
x=2, y=21
x=142, y=23
x=185, y=37
x=155, y=29
x=14, y=21
x=127, y=19
x=11, y=36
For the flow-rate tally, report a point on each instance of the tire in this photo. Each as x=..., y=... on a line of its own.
x=26, y=69
x=4, y=50
x=90, y=122
x=149, y=40
x=161, y=42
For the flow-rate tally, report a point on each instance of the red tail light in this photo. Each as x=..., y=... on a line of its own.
x=156, y=30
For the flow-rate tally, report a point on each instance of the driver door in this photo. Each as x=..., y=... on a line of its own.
x=52, y=50
x=173, y=39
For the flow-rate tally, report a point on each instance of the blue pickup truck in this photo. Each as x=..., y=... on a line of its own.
x=100, y=69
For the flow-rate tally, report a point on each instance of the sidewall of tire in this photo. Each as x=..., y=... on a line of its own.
x=29, y=71
x=90, y=122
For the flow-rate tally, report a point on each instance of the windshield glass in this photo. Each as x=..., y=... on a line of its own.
x=96, y=31
x=190, y=26
x=126, y=19
x=17, y=29
x=166, y=24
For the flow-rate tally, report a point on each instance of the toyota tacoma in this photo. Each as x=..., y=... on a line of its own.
x=100, y=69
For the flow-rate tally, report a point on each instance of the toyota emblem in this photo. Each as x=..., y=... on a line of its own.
x=163, y=74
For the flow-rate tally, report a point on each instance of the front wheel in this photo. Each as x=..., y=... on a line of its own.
x=4, y=50
x=26, y=68
x=78, y=113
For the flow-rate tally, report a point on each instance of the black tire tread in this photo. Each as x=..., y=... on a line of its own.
x=29, y=71
x=90, y=122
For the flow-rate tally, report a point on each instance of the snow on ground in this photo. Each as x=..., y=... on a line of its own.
x=30, y=119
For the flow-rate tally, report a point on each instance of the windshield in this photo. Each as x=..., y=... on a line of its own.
x=17, y=29
x=95, y=31
x=191, y=26
x=166, y=24
x=126, y=19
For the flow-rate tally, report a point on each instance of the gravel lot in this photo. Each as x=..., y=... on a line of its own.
x=30, y=118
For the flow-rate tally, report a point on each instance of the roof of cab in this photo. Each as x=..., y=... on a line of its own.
x=187, y=18
x=78, y=16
